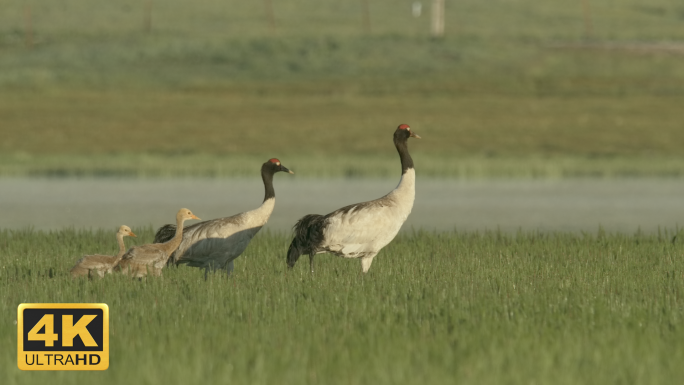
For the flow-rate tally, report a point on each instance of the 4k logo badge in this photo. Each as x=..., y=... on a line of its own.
x=63, y=336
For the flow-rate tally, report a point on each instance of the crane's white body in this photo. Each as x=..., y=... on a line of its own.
x=362, y=230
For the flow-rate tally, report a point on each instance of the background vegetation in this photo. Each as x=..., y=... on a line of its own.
x=514, y=89
x=434, y=308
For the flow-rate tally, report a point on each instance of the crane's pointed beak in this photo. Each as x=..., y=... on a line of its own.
x=287, y=170
x=414, y=135
x=195, y=217
x=132, y=235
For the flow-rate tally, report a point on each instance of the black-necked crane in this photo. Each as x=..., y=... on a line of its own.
x=214, y=244
x=360, y=230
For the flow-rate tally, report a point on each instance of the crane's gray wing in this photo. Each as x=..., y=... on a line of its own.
x=218, y=251
x=210, y=233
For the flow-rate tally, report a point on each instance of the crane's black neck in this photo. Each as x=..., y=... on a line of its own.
x=267, y=177
x=402, y=149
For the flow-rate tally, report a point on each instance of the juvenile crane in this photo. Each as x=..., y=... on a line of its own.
x=360, y=230
x=102, y=264
x=139, y=260
x=214, y=244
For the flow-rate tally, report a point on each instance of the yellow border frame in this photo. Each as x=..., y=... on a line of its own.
x=104, y=363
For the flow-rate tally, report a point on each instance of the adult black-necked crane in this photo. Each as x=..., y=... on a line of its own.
x=360, y=230
x=138, y=261
x=214, y=244
x=102, y=264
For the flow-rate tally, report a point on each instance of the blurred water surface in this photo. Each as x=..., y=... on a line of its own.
x=509, y=205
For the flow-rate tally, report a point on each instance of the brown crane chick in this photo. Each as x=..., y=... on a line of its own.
x=152, y=258
x=102, y=264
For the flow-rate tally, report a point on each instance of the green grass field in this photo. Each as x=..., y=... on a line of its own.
x=438, y=308
x=514, y=88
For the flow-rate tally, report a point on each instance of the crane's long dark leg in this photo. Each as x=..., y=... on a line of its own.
x=228, y=268
x=311, y=258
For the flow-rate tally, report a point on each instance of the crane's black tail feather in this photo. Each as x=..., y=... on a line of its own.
x=165, y=234
x=308, y=235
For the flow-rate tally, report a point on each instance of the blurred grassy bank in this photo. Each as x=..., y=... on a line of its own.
x=336, y=166
x=205, y=88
